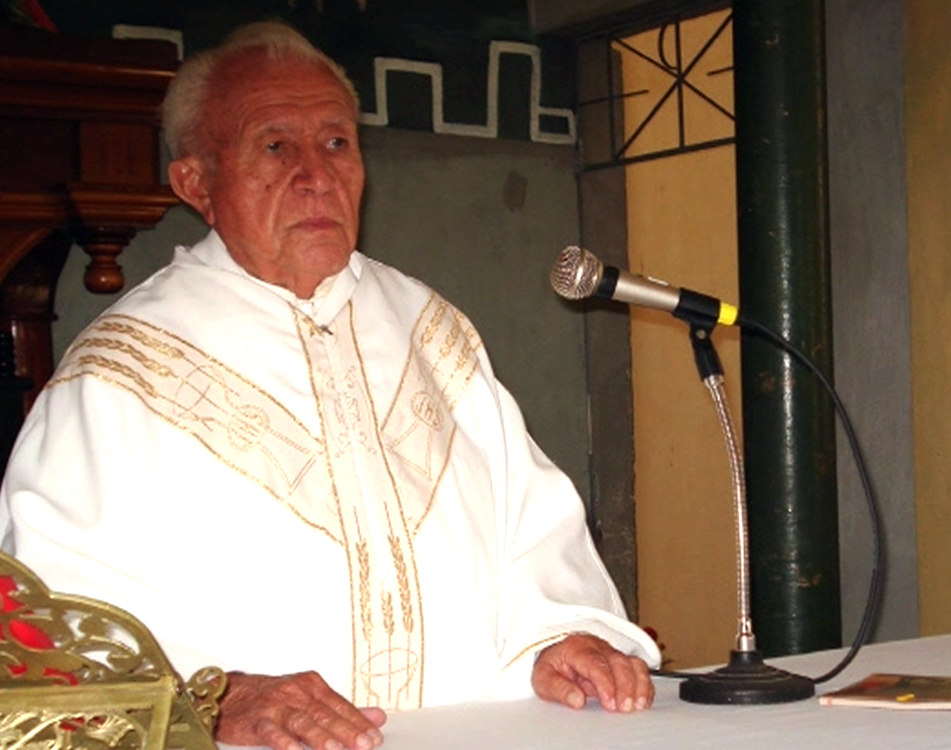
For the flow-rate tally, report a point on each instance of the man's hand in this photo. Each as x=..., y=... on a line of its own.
x=294, y=712
x=583, y=666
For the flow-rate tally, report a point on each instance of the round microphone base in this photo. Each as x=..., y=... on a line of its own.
x=746, y=681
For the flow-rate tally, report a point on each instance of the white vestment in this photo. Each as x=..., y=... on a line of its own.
x=337, y=484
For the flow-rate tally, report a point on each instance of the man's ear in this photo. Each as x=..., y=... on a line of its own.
x=188, y=177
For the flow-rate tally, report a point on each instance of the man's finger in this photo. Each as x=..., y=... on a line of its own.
x=331, y=731
x=591, y=666
x=293, y=712
x=632, y=686
x=550, y=685
x=365, y=720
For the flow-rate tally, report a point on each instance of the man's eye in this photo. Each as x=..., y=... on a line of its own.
x=337, y=144
x=273, y=147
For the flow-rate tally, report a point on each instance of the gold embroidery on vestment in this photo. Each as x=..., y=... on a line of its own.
x=368, y=484
x=243, y=426
x=386, y=659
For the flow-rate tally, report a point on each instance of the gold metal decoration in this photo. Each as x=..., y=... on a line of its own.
x=78, y=673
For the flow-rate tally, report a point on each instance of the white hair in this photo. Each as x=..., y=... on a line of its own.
x=183, y=111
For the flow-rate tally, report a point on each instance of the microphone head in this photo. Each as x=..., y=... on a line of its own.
x=576, y=273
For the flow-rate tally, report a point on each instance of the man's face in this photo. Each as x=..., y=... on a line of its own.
x=285, y=177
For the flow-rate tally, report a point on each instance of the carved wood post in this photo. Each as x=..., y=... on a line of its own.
x=79, y=149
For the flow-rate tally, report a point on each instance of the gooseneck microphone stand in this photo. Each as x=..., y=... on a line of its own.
x=746, y=679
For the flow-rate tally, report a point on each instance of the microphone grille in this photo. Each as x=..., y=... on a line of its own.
x=576, y=273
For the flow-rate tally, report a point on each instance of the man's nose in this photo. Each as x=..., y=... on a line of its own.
x=314, y=173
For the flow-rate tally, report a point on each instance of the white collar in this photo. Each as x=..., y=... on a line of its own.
x=322, y=306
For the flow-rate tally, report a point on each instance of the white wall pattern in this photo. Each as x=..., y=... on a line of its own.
x=383, y=65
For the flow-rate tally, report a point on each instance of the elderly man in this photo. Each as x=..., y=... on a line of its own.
x=295, y=463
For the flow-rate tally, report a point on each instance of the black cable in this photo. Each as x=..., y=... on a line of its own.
x=878, y=544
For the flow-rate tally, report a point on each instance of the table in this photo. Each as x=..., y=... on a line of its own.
x=672, y=723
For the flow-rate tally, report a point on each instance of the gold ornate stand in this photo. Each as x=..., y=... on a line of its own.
x=78, y=673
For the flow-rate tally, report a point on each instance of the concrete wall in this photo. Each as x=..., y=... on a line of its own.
x=871, y=314
x=480, y=220
x=889, y=115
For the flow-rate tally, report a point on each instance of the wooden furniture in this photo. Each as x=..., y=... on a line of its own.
x=79, y=163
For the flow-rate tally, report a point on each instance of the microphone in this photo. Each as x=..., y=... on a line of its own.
x=578, y=274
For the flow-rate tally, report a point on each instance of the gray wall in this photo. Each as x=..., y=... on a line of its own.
x=479, y=220
x=482, y=220
x=865, y=55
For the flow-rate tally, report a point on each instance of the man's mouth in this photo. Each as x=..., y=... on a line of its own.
x=317, y=224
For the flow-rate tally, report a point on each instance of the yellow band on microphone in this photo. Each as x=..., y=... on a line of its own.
x=728, y=314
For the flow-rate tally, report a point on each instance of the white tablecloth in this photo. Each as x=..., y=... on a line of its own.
x=672, y=723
